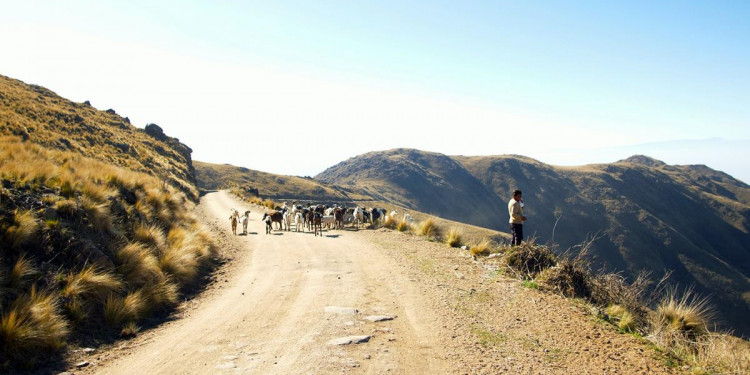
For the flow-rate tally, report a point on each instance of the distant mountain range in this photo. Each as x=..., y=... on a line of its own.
x=648, y=215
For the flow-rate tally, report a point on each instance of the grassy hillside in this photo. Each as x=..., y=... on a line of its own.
x=647, y=215
x=96, y=233
x=38, y=115
x=267, y=185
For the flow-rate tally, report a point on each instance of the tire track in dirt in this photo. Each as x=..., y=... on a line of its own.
x=267, y=312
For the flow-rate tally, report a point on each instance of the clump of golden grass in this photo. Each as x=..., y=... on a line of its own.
x=621, y=317
x=32, y=325
x=24, y=229
x=98, y=214
x=453, y=237
x=161, y=294
x=96, y=191
x=529, y=259
x=21, y=273
x=428, y=228
x=150, y=235
x=138, y=264
x=181, y=258
x=685, y=317
x=269, y=204
x=90, y=282
x=66, y=207
x=118, y=309
x=482, y=248
x=403, y=226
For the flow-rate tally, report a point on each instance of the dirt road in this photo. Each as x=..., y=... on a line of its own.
x=282, y=302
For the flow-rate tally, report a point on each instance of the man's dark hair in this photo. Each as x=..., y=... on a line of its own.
x=516, y=192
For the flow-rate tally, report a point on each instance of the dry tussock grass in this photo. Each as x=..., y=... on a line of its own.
x=685, y=316
x=428, y=228
x=66, y=207
x=164, y=293
x=124, y=309
x=269, y=204
x=453, y=237
x=185, y=253
x=24, y=229
x=622, y=318
x=32, y=325
x=91, y=200
x=21, y=273
x=150, y=235
x=404, y=226
x=98, y=214
x=138, y=265
x=482, y=248
x=91, y=282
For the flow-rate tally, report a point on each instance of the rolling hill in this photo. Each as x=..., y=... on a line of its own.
x=646, y=215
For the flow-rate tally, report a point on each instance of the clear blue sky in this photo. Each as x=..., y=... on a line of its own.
x=254, y=83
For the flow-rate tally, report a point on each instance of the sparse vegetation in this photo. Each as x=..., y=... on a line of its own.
x=84, y=210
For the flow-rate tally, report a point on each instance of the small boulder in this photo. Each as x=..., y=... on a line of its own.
x=378, y=318
x=349, y=340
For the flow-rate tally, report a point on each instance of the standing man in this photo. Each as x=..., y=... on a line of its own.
x=515, y=209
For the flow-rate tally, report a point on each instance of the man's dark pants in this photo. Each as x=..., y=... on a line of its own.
x=516, y=231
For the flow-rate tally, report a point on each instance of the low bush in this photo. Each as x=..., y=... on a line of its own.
x=569, y=277
x=529, y=259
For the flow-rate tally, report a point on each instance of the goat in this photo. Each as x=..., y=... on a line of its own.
x=287, y=219
x=233, y=219
x=317, y=223
x=298, y=221
x=244, y=219
x=267, y=220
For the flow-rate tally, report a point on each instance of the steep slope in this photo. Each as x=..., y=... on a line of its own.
x=646, y=215
x=96, y=229
x=424, y=181
x=38, y=115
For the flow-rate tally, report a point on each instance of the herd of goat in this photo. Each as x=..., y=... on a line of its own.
x=315, y=217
